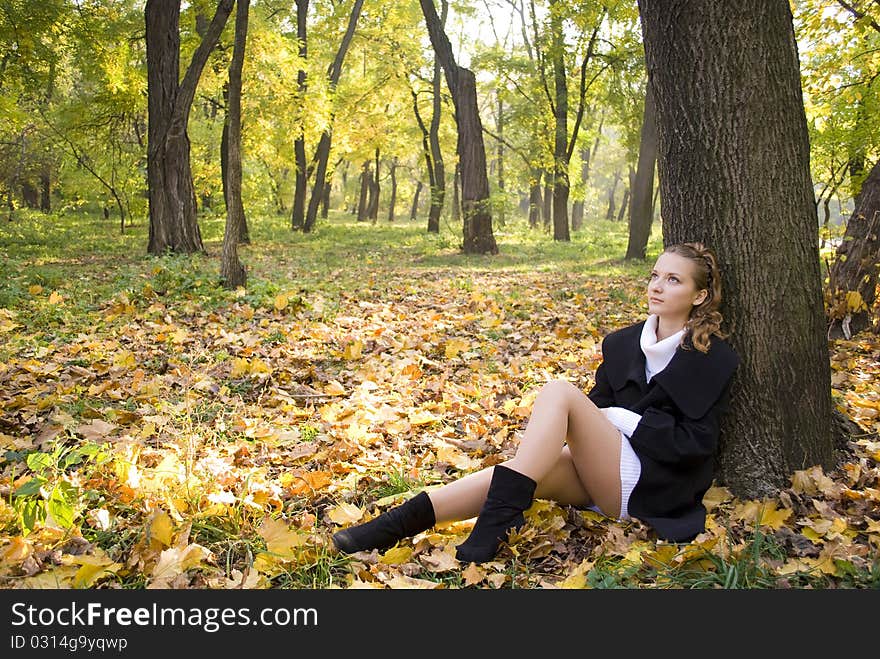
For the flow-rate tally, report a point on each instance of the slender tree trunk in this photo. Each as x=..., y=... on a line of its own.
x=323, y=151
x=548, y=198
x=438, y=185
x=298, y=210
x=536, y=203
x=710, y=62
x=393, y=200
x=477, y=228
x=500, y=156
x=853, y=274
x=172, y=201
x=641, y=214
x=325, y=200
x=560, y=115
x=232, y=272
x=611, y=196
x=456, y=196
x=373, y=208
x=577, y=210
x=624, y=204
x=366, y=185
x=415, y=202
x=45, y=190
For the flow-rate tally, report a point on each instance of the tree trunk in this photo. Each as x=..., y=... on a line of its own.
x=300, y=189
x=734, y=164
x=611, y=200
x=438, y=186
x=232, y=272
x=500, y=156
x=624, y=204
x=548, y=198
x=415, y=202
x=577, y=210
x=456, y=197
x=477, y=230
x=560, y=115
x=641, y=213
x=45, y=191
x=536, y=203
x=29, y=195
x=172, y=202
x=853, y=275
x=373, y=207
x=323, y=151
x=325, y=200
x=393, y=199
x=366, y=185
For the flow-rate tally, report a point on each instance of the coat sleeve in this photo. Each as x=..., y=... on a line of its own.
x=670, y=437
x=602, y=394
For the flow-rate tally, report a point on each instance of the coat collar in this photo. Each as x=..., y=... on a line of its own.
x=693, y=379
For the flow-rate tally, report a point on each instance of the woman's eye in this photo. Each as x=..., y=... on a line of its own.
x=675, y=279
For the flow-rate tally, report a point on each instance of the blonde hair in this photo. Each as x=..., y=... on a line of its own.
x=705, y=318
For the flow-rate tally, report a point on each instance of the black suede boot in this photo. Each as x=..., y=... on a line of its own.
x=510, y=493
x=411, y=517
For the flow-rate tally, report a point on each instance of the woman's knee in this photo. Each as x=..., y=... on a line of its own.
x=558, y=390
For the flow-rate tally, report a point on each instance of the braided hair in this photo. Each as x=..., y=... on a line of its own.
x=705, y=318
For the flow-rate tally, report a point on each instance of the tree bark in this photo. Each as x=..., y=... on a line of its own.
x=298, y=211
x=560, y=115
x=641, y=209
x=172, y=202
x=232, y=271
x=477, y=227
x=415, y=202
x=609, y=215
x=366, y=185
x=734, y=158
x=536, y=203
x=393, y=200
x=853, y=274
x=323, y=151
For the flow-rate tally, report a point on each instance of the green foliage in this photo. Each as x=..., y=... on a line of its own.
x=48, y=494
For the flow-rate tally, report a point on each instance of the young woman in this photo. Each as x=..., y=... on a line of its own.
x=640, y=444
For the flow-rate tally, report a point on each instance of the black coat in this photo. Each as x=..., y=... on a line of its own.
x=678, y=433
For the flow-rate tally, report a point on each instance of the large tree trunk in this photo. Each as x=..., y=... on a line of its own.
x=640, y=205
x=232, y=272
x=322, y=156
x=853, y=275
x=298, y=213
x=734, y=172
x=172, y=201
x=477, y=229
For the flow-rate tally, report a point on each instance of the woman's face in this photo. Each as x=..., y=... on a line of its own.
x=672, y=291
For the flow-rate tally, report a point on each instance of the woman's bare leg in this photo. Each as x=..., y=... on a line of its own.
x=585, y=471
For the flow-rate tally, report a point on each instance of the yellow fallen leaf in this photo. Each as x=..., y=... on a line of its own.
x=396, y=556
x=345, y=513
x=353, y=350
x=35, y=289
x=334, y=388
x=422, y=417
x=473, y=574
x=281, y=301
x=402, y=581
x=174, y=561
x=162, y=528
x=577, y=578
x=455, y=346
x=280, y=538
x=715, y=496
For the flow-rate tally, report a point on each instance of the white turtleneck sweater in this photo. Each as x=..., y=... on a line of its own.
x=657, y=355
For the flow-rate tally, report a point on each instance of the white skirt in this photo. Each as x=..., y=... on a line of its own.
x=630, y=470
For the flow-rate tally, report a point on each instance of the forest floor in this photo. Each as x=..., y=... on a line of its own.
x=158, y=431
